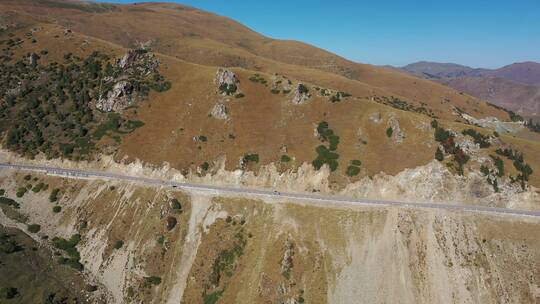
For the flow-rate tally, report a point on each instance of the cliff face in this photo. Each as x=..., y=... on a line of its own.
x=241, y=250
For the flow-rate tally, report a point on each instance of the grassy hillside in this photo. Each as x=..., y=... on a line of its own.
x=382, y=118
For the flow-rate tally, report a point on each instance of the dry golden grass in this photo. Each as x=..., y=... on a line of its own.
x=191, y=43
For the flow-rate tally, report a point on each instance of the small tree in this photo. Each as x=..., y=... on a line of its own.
x=7, y=293
x=33, y=228
x=175, y=204
x=118, y=244
x=389, y=132
x=439, y=154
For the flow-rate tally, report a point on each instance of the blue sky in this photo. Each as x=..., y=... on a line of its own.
x=479, y=33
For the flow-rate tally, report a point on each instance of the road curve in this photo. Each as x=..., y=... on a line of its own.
x=308, y=197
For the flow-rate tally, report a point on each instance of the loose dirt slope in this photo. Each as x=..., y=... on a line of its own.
x=235, y=250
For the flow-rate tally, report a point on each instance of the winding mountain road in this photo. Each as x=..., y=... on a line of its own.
x=306, y=197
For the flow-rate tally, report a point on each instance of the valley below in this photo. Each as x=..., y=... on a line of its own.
x=160, y=244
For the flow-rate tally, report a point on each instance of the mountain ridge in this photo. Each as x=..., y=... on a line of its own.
x=515, y=86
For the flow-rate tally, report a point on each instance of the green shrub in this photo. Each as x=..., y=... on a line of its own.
x=118, y=244
x=171, y=222
x=285, y=158
x=441, y=134
x=275, y=91
x=434, y=124
x=479, y=139
x=69, y=247
x=152, y=280
x=213, y=297
x=2, y=192
x=38, y=187
x=353, y=171
x=175, y=204
x=228, y=89
x=7, y=293
x=205, y=166
x=21, y=192
x=27, y=177
x=302, y=89
x=251, y=158
x=9, y=202
x=326, y=155
x=389, y=132
x=34, y=228
x=56, y=209
x=439, y=154
x=356, y=162
x=53, y=197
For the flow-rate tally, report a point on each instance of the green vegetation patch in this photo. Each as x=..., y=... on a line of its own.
x=21, y=191
x=285, y=158
x=33, y=228
x=118, y=244
x=53, y=197
x=480, y=139
x=152, y=281
x=251, y=158
x=524, y=169
x=405, y=106
x=389, y=132
x=213, y=297
x=326, y=155
x=49, y=108
x=447, y=140
x=72, y=257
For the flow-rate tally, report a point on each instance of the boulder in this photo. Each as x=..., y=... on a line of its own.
x=300, y=94
x=220, y=111
x=33, y=58
x=140, y=60
x=397, y=134
x=117, y=99
x=227, y=82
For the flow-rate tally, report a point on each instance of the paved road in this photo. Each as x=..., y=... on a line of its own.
x=307, y=197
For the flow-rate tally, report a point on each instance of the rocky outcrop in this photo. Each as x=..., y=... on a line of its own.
x=33, y=58
x=397, y=134
x=227, y=82
x=301, y=94
x=375, y=117
x=220, y=111
x=493, y=123
x=135, y=63
x=138, y=60
x=117, y=99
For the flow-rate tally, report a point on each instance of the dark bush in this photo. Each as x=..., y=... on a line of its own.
x=53, y=197
x=439, y=155
x=152, y=280
x=34, y=228
x=8, y=293
x=171, y=222
x=118, y=244
x=175, y=204
x=353, y=171
x=251, y=158
x=389, y=132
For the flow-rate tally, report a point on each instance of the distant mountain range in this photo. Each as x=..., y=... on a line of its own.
x=515, y=86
